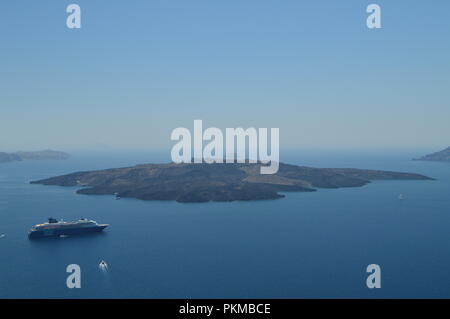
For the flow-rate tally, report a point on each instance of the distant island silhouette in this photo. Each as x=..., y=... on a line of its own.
x=39, y=155
x=441, y=156
x=216, y=182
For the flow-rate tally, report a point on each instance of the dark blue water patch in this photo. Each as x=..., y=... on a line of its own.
x=305, y=245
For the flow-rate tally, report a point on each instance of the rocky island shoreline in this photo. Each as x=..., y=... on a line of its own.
x=217, y=182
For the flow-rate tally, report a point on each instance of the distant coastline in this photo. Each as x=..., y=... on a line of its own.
x=441, y=156
x=38, y=155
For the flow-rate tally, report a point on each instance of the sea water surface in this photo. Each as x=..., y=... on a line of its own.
x=307, y=245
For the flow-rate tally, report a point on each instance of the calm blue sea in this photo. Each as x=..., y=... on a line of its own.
x=307, y=245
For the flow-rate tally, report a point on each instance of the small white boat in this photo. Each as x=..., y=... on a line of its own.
x=81, y=184
x=103, y=265
x=401, y=197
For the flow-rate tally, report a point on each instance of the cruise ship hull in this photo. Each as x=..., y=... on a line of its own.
x=36, y=234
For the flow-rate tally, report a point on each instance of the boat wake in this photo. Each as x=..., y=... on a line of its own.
x=103, y=266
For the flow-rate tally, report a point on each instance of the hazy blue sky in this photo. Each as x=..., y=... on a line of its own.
x=138, y=69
